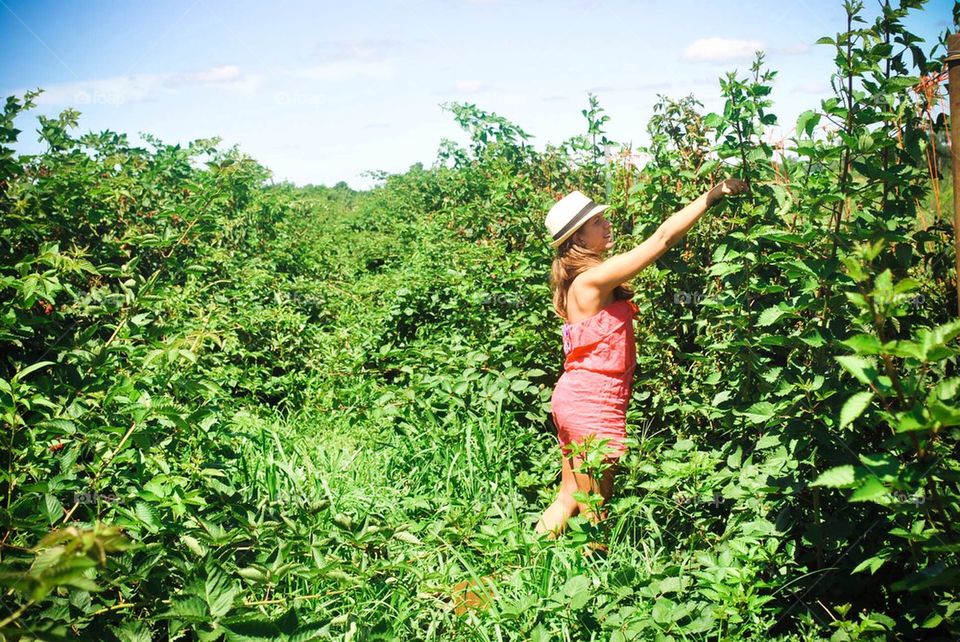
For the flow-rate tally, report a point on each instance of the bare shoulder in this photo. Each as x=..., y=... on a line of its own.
x=584, y=299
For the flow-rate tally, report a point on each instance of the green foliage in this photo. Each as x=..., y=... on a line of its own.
x=236, y=410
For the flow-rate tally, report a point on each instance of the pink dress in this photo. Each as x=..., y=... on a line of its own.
x=592, y=394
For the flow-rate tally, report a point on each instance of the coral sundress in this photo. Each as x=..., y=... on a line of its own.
x=592, y=394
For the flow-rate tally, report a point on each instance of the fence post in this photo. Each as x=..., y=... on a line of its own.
x=953, y=65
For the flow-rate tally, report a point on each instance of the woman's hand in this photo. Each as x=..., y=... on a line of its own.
x=728, y=187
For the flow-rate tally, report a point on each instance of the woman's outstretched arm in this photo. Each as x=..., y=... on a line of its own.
x=623, y=267
x=676, y=227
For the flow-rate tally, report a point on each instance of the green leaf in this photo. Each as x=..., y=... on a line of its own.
x=911, y=420
x=148, y=516
x=132, y=631
x=252, y=573
x=187, y=609
x=863, y=344
x=64, y=426
x=771, y=375
x=870, y=491
x=760, y=412
x=934, y=340
x=859, y=367
x=220, y=592
x=258, y=629
x=757, y=154
x=883, y=285
x=945, y=390
x=664, y=611
x=670, y=584
x=36, y=366
x=768, y=441
x=540, y=634
x=194, y=545
x=52, y=508
x=806, y=122
x=720, y=397
x=141, y=320
x=857, y=299
x=407, y=537
x=836, y=477
x=712, y=120
x=933, y=621
x=882, y=465
x=945, y=415
x=873, y=563
x=577, y=591
x=724, y=269
x=906, y=285
x=936, y=575
x=903, y=348
x=854, y=407
x=769, y=316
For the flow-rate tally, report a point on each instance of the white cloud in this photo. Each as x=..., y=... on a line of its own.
x=794, y=49
x=344, y=60
x=342, y=70
x=362, y=49
x=470, y=86
x=115, y=91
x=720, y=50
x=134, y=88
x=222, y=76
x=219, y=74
x=813, y=88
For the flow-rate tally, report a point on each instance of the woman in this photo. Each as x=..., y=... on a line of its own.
x=592, y=395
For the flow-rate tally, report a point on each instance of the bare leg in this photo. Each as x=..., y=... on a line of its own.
x=554, y=519
x=602, y=487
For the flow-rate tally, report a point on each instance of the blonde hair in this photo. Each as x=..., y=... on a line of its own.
x=573, y=259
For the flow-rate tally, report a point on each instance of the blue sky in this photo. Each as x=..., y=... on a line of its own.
x=320, y=92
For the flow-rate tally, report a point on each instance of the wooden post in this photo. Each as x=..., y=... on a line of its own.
x=953, y=64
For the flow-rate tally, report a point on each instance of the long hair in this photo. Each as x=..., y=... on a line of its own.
x=572, y=259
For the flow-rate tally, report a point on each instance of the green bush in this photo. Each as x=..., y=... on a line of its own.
x=245, y=410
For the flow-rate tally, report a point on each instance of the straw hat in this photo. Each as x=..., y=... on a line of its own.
x=568, y=214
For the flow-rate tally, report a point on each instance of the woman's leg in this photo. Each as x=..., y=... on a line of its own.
x=564, y=506
x=603, y=487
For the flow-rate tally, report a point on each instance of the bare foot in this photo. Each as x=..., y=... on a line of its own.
x=467, y=595
x=595, y=549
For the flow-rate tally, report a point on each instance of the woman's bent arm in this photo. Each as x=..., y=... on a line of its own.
x=623, y=267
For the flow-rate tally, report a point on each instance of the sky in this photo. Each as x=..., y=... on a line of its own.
x=322, y=92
